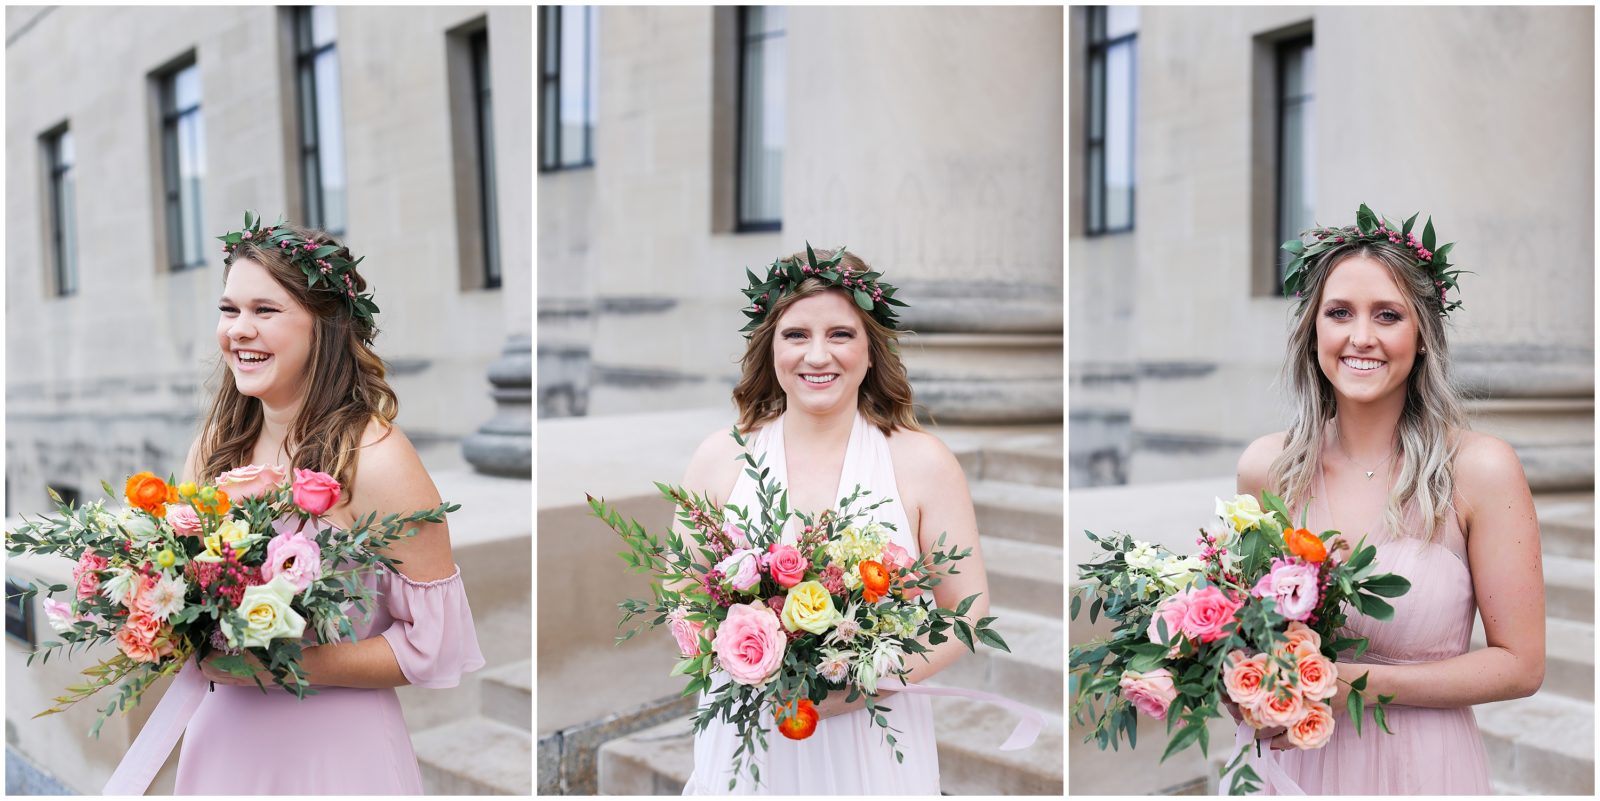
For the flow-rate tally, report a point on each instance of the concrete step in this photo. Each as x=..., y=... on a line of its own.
x=1543, y=743
x=1568, y=588
x=506, y=695
x=475, y=756
x=1026, y=575
x=1035, y=464
x=1566, y=523
x=970, y=762
x=1568, y=658
x=1019, y=512
x=1031, y=673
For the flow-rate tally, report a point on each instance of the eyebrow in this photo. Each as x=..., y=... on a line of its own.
x=1390, y=304
x=253, y=301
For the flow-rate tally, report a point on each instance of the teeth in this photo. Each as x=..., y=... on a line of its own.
x=246, y=356
x=822, y=379
x=1363, y=364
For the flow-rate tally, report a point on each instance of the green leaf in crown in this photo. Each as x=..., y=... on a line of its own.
x=868, y=292
x=319, y=263
x=1315, y=243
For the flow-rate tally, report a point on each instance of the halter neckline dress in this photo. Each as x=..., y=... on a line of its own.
x=1432, y=751
x=847, y=754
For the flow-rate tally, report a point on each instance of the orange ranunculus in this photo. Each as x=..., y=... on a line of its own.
x=150, y=493
x=801, y=721
x=1304, y=544
x=874, y=580
x=217, y=506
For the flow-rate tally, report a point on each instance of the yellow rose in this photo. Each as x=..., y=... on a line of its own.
x=809, y=607
x=1243, y=512
x=232, y=532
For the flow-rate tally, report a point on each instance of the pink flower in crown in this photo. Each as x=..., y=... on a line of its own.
x=251, y=480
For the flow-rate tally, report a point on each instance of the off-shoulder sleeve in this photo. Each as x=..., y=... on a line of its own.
x=432, y=637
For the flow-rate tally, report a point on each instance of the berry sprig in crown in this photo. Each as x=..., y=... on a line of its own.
x=321, y=264
x=783, y=275
x=1314, y=243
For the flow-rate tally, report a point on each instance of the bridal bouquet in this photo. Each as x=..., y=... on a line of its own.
x=1254, y=618
x=235, y=566
x=788, y=623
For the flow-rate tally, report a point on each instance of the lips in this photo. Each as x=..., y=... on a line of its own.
x=819, y=380
x=250, y=360
x=1361, y=365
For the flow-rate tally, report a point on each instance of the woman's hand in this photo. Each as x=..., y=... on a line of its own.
x=834, y=704
x=219, y=676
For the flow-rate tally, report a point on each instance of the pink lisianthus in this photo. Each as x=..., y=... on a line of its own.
x=1292, y=583
x=786, y=565
x=86, y=574
x=686, y=632
x=251, y=480
x=59, y=614
x=315, y=492
x=750, y=643
x=1209, y=611
x=742, y=569
x=294, y=556
x=1151, y=692
x=184, y=519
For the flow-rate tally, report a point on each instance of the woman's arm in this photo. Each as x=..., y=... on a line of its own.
x=712, y=471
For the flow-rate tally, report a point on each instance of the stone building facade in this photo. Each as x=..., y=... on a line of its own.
x=1482, y=117
x=928, y=141
x=111, y=378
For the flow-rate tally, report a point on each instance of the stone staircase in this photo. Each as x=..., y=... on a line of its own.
x=1016, y=488
x=1544, y=744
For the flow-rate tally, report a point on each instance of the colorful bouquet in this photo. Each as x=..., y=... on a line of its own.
x=185, y=570
x=1254, y=618
x=838, y=610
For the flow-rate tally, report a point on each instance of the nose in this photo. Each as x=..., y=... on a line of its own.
x=817, y=352
x=240, y=328
x=1363, y=336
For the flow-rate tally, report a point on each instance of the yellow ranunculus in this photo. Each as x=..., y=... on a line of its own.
x=809, y=607
x=1242, y=513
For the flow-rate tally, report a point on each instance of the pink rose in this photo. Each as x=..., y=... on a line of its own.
x=147, y=626
x=742, y=569
x=184, y=519
x=143, y=644
x=686, y=632
x=315, y=492
x=1282, y=707
x=1245, y=678
x=1292, y=584
x=787, y=566
x=750, y=643
x=1151, y=693
x=86, y=574
x=1171, y=609
x=896, y=557
x=138, y=598
x=294, y=556
x=251, y=480
x=1208, y=612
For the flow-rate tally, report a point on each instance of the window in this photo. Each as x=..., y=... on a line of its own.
x=19, y=615
x=321, y=126
x=484, y=119
x=567, y=44
x=183, y=158
x=759, y=197
x=1296, y=143
x=1112, y=92
x=59, y=158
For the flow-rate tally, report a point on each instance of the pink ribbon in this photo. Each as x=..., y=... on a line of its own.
x=1272, y=774
x=160, y=733
x=1022, y=735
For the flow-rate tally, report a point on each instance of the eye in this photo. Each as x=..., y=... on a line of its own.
x=265, y=310
x=1390, y=316
x=1337, y=313
x=793, y=335
x=226, y=309
x=844, y=333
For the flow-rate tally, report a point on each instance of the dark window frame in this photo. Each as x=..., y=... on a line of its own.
x=171, y=117
x=551, y=17
x=314, y=202
x=1281, y=104
x=20, y=625
x=1099, y=49
x=740, y=223
x=66, y=274
x=483, y=122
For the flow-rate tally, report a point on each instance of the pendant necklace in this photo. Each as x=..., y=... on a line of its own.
x=1339, y=435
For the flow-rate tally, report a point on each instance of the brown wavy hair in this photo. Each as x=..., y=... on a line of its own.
x=885, y=395
x=345, y=387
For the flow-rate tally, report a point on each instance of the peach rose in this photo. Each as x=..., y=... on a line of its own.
x=1313, y=730
x=1245, y=678
x=251, y=480
x=1150, y=693
x=1281, y=707
x=1317, y=676
x=1302, y=639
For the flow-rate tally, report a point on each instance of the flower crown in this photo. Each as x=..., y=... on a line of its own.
x=783, y=275
x=320, y=263
x=1370, y=228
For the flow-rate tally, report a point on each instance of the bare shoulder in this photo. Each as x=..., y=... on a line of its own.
x=714, y=466
x=1256, y=462
x=923, y=457
x=1485, y=463
x=390, y=476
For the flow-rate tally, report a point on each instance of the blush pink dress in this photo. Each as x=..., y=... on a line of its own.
x=343, y=740
x=1432, y=751
x=847, y=754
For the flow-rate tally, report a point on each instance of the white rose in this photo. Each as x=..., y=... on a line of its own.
x=267, y=615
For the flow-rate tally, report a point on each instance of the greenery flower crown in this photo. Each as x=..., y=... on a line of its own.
x=321, y=264
x=1370, y=228
x=784, y=275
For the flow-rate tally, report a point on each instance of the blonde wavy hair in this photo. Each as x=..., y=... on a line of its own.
x=1429, y=423
x=345, y=387
x=885, y=395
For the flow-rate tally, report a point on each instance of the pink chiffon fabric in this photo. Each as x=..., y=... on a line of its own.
x=1432, y=751
x=847, y=755
x=343, y=740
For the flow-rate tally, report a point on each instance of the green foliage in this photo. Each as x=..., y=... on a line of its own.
x=1307, y=253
